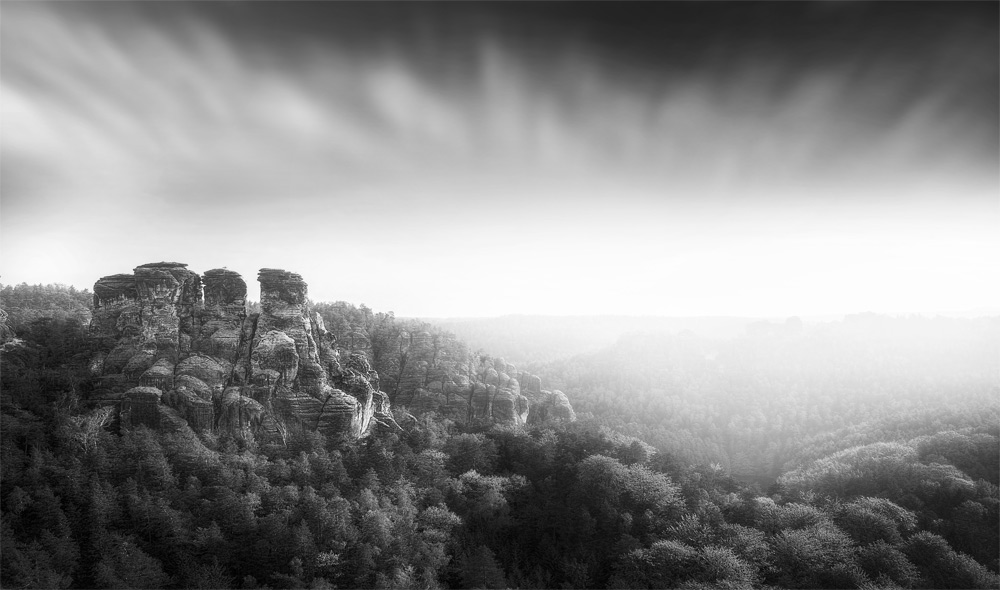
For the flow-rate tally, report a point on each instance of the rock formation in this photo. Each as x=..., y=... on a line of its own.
x=492, y=395
x=546, y=406
x=554, y=406
x=178, y=346
x=223, y=314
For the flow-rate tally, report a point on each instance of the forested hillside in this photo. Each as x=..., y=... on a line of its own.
x=766, y=401
x=882, y=490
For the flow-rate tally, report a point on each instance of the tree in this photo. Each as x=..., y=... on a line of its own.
x=125, y=565
x=942, y=567
x=665, y=564
x=817, y=556
x=886, y=564
x=480, y=570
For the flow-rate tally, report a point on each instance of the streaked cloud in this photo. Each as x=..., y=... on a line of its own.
x=304, y=151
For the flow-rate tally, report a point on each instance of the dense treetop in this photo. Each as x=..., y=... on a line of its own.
x=885, y=456
x=25, y=303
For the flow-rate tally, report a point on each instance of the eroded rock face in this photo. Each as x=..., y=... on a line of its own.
x=168, y=295
x=283, y=309
x=223, y=315
x=553, y=406
x=193, y=385
x=531, y=384
x=199, y=412
x=494, y=393
x=152, y=309
x=116, y=308
x=510, y=407
x=189, y=350
x=160, y=375
x=274, y=360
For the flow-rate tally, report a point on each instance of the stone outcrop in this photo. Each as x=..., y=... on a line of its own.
x=151, y=310
x=492, y=395
x=182, y=347
x=160, y=375
x=531, y=384
x=553, y=406
x=546, y=406
x=194, y=385
x=509, y=407
x=197, y=411
x=209, y=370
x=116, y=307
x=223, y=314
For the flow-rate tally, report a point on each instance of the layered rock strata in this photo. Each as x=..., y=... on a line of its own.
x=494, y=395
x=174, y=339
x=223, y=314
x=546, y=406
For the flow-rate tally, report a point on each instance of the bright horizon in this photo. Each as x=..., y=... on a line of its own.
x=479, y=161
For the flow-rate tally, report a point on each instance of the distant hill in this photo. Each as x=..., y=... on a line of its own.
x=782, y=395
x=538, y=338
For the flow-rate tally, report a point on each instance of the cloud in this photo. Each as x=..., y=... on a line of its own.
x=548, y=156
x=186, y=110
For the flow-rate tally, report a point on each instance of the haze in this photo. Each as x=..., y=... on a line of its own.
x=444, y=160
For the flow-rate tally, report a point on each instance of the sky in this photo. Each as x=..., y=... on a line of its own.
x=481, y=159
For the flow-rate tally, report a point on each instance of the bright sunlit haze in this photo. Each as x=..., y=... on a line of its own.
x=511, y=159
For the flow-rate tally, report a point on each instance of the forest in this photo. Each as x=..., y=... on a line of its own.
x=862, y=453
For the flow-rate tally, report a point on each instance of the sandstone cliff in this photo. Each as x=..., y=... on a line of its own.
x=175, y=345
x=496, y=393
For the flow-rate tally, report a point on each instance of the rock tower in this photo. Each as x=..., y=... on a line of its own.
x=177, y=347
